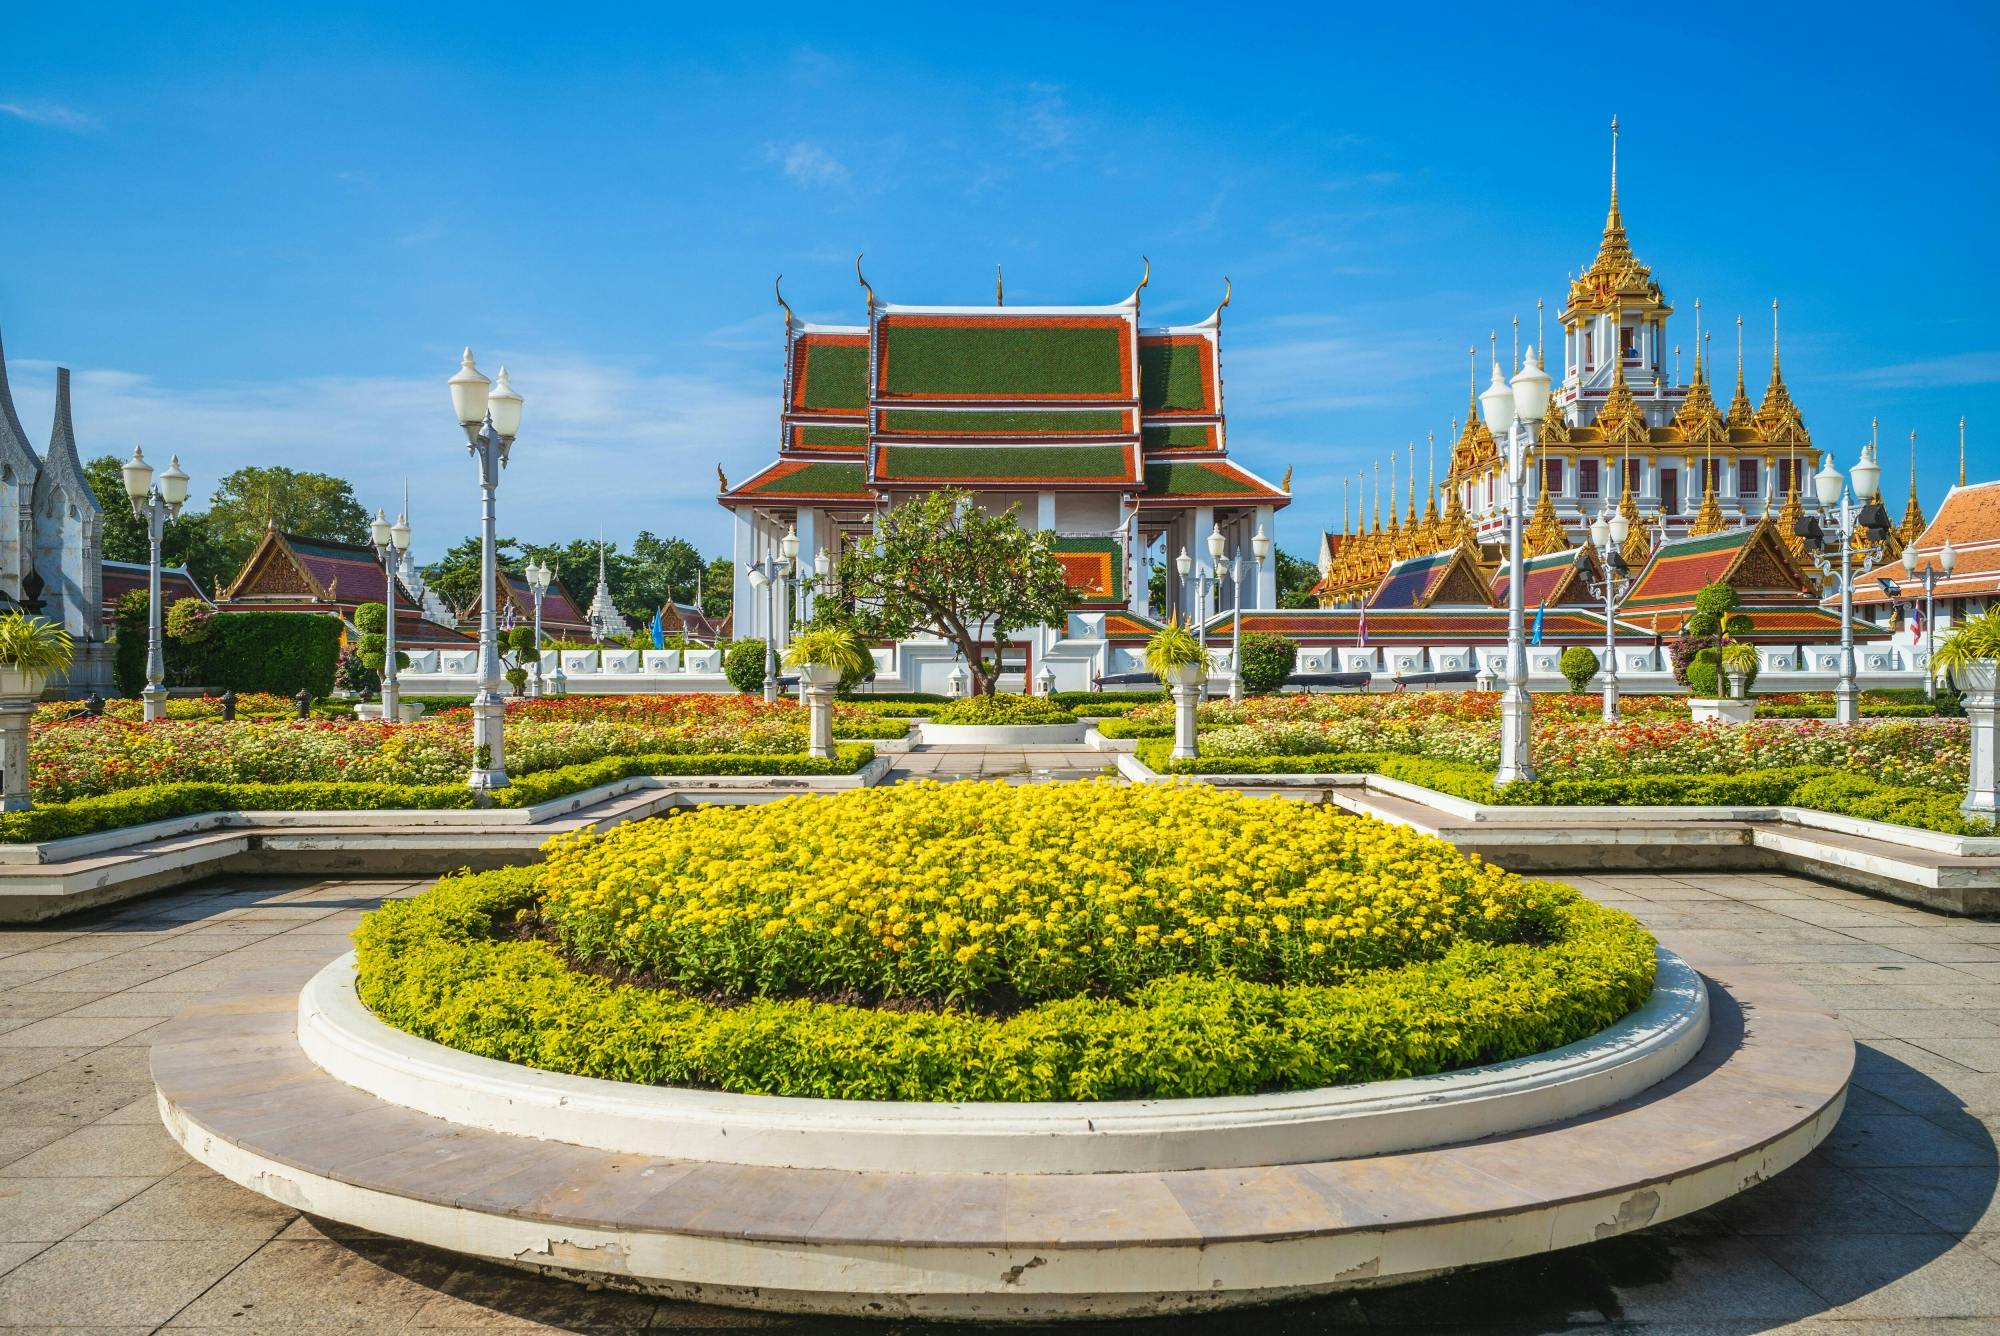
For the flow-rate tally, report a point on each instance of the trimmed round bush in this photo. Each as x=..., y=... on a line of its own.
x=983, y=942
x=1267, y=661
x=743, y=665
x=1579, y=664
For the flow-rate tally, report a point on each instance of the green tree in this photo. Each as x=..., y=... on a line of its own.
x=312, y=505
x=718, y=588
x=454, y=577
x=659, y=571
x=942, y=566
x=1296, y=578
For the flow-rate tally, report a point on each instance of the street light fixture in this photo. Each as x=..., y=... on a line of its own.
x=1607, y=534
x=1508, y=406
x=391, y=542
x=490, y=413
x=769, y=576
x=155, y=501
x=1836, y=536
x=1942, y=567
x=540, y=577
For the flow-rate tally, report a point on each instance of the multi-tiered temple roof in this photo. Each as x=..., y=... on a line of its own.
x=1003, y=398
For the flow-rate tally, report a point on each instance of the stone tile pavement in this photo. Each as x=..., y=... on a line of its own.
x=105, y=1226
x=1016, y=765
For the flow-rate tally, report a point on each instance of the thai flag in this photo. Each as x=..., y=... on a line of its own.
x=1915, y=622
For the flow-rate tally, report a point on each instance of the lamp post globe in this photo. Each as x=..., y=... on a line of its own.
x=1621, y=529
x=1496, y=401
x=155, y=501
x=399, y=533
x=1827, y=485
x=1867, y=478
x=1531, y=389
x=138, y=477
x=1260, y=545
x=1947, y=558
x=491, y=417
x=174, y=484
x=378, y=529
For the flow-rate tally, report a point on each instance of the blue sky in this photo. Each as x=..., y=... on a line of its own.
x=261, y=234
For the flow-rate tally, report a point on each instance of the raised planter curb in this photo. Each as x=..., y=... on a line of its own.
x=349, y=1043
x=928, y=734
x=238, y=1092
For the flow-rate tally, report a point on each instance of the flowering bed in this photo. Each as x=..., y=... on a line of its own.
x=249, y=705
x=79, y=758
x=1909, y=771
x=962, y=942
x=1002, y=709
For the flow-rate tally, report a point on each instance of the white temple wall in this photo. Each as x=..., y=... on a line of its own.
x=1086, y=512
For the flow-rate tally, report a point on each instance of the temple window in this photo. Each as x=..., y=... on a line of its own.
x=1746, y=477
x=1552, y=475
x=1589, y=350
x=1670, y=492
x=1632, y=476
x=1586, y=477
x=1628, y=343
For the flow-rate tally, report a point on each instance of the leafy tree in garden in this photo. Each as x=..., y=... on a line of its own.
x=718, y=588
x=455, y=576
x=373, y=621
x=1296, y=578
x=743, y=665
x=1267, y=661
x=1579, y=664
x=312, y=505
x=940, y=565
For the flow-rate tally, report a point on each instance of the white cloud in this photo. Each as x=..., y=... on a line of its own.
x=1044, y=121
x=55, y=114
x=807, y=164
x=1972, y=368
x=607, y=447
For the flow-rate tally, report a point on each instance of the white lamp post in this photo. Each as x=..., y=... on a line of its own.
x=155, y=503
x=1607, y=534
x=1507, y=407
x=1836, y=535
x=539, y=578
x=490, y=413
x=391, y=542
x=1236, y=617
x=1946, y=563
x=769, y=576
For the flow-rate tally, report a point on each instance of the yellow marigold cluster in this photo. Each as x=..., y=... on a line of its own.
x=997, y=894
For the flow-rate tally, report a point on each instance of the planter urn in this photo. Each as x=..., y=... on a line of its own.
x=1982, y=710
x=18, y=691
x=1184, y=683
x=818, y=683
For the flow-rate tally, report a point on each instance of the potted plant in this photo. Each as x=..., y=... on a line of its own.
x=1969, y=653
x=1176, y=657
x=32, y=649
x=1969, y=658
x=1739, y=668
x=825, y=655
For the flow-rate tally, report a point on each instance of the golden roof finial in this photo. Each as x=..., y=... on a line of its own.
x=1431, y=484
x=1411, y=522
x=1541, y=338
x=1395, y=522
x=1774, y=338
x=778, y=286
x=1614, y=168
x=1517, y=343
x=862, y=279
x=1346, y=512
x=1378, y=498
x=1913, y=513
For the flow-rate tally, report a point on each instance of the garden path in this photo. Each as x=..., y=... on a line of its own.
x=1016, y=765
x=1892, y=1226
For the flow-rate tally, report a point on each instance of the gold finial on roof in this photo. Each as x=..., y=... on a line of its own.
x=1285, y=483
x=1961, y=452
x=1545, y=534
x=1144, y=279
x=1541, y=338
x=1228, y=290
x=863, y=280
x=1913, y=513
x=777, y=286
x=1346, y=513
x=1614, y=164
x=721, y=479
x=1411, y=522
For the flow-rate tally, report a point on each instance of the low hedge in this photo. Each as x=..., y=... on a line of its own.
x=871, y=730
x=1087, y=702
x=1826, y=711
x=1003, y=710
x=1820, y=788
x=1131, y=728
x=434, y=967
x=163, y=802
x=896, y=709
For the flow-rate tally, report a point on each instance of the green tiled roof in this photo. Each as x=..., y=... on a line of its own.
x=1177, y=438
x=1004, y=360
x=1009, y=463
x=816, y=479
x=818, y=436
x=1004, y=422
x=1170, y=377
x=1195, y=480
x=836, y=376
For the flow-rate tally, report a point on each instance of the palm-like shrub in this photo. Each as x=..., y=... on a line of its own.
x=1174, y=647
x=828, y=647
x=1975, y=640
x=34, y=645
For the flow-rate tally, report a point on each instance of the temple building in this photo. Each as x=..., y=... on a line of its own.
x=290, y=573
x=1623, y=431
x=50, y=559
x=1109, y=433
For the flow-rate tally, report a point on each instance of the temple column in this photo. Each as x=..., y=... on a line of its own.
x=743, y=551
x=810, y=539
x=1267, y=579
x=1198, y=607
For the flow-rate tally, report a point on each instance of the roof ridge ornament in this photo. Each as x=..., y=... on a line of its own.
x=1144, y=279
x=999, y=287
x=777, y=286
x=863, y=280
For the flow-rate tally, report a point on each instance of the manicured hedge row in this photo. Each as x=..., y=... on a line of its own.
x=1820, y=788
x=897, y=709
x=1127, y=728
x=431, y=966
x=1086, y=702
x=162, y=802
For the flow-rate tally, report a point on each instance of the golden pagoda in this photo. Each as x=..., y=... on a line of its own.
x=1544, y=533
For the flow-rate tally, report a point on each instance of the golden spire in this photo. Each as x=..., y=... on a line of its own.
x=1913, y=513
x=1742, y=417
x=1395, y=521
x=1615, y=272
x=1620, y=419
x=1699, y=421
x=1638, y=547
x=1411, y=523
x=1430, y=487
x=1555, y=427
x=1346, y=512
x=1709, y=518
x=1378, y=498
x=1545, y=531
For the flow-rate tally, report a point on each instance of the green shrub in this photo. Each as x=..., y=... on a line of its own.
x=895, y=709
x=372, y=619
x=1579, y=664
x=1002, y=708
x=1129, y=728
x=189, y=620
x=278, y=652
x=431, y=965
x=743, y=665
x=1267, y=661
x=1089, y=702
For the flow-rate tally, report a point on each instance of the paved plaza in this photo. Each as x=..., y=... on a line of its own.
x=106, y=1226
x=1016, y=765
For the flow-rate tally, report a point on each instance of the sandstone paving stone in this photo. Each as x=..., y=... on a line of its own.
x=49, y=1209
x=82, y=1282
x=355, y=1284
x=489, y=1298
x=102, y=1150
x=1979, y=1052
x=1866, y=1141
x=1923, y=1022
x=1891, y=1275
x=75, y=1031
x=191, y=1203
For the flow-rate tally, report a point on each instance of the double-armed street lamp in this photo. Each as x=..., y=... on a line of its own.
x=769, y=576
x=1932, y=572
x=1508, y=407
x=1206, y=579
x=1607, y=534
x=540, y=578
x=1854, y=531
x=490, y=413
x=391, y=541
x=155, y=502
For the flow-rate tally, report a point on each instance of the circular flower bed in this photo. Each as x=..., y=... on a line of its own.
x=986, y=942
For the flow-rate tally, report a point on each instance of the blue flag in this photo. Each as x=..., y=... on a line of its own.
x=1535, y=638
x=660, y=631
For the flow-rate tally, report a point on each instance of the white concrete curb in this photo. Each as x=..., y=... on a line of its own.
x=1344, y=1122
x=997, y=735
